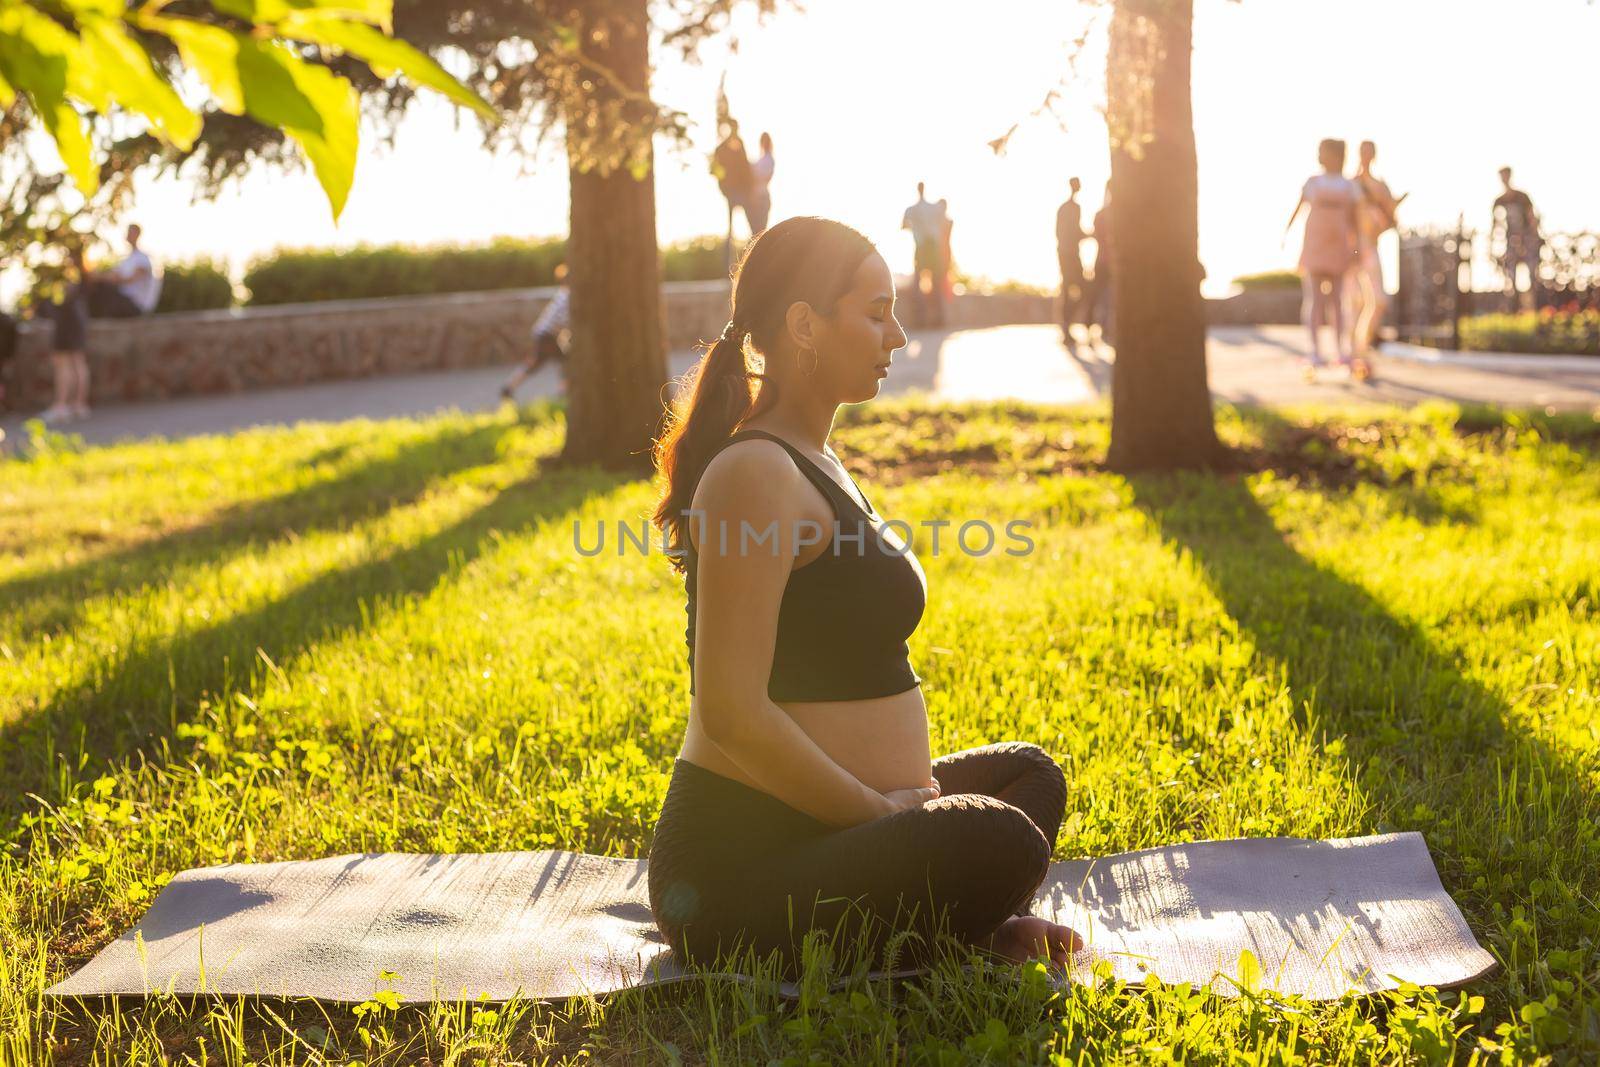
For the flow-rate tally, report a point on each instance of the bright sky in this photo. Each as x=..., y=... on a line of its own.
x=865, y=99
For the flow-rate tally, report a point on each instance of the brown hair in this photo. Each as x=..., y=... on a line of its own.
x=807, y=259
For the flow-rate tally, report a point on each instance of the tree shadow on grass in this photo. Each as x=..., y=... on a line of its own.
x=53, y=601
x=139, y=701
x=1497, y=799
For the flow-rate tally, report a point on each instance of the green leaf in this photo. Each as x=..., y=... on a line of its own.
x=8, y=96
x=48, y=63
x=65, y=125
x=35, y=53
x=125, y=69
x=269, y=82
x=271, y=89
x=384, y=54
x=1249, y=972
x=271, y=12
x=210, y=51
x=377, y=12
x=331, y=147
x=44, y=61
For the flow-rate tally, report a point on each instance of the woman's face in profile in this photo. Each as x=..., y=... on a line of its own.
x=856, y=343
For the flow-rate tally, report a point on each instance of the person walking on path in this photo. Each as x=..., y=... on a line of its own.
x=758, y=206
x=926, y=221
x=1069, y=241
x=1517, y=225
x=547, y=346
x=1101, y=293
x=1329, y=249
x=69, y=344
x=804, y=797
x=1367, y=296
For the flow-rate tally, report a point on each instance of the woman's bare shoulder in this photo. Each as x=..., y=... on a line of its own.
x=754, y=480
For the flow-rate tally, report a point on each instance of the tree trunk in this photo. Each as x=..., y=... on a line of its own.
x=617, y=369
x=1160, y=401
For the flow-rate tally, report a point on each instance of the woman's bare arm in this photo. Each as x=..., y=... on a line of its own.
x=1294, y=215
x=740, y=588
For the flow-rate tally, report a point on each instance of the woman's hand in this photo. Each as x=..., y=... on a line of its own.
x=906, y=799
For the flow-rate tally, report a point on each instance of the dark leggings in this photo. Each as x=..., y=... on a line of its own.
x=735, y=868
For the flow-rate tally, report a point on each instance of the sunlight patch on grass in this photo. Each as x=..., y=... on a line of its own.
x=380, y=636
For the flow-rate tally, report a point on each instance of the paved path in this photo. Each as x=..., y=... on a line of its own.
x=1248, y=365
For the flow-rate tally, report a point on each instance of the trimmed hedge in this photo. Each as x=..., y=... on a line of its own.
x=1546, y=332
x=300, y=275
x=1271, y=279
x=699, y=259
x=197, y=286
x=292, y=276
x=200, y=285
x=979, y=283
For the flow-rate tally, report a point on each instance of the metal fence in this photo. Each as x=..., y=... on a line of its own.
x=1449, y=278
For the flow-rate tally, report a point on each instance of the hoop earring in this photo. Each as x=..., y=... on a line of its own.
x=816, y=361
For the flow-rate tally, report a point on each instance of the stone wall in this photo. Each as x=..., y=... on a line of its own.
x=1256, y=307
x=202, y=352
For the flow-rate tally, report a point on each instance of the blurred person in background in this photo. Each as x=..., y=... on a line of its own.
x=547, y=346
x=1518, y=226
x=1329, y=250
x=758, y=206
x=128, y=290
x=1364, y=285
x=1069, y=241
x=68, y=346
x=929, y=233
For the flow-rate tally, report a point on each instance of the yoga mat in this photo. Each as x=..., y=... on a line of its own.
x=1321, y=918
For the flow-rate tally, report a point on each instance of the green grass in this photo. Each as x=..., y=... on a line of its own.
x=378, y=636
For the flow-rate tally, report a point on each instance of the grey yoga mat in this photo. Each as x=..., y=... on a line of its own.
x=1320, y=918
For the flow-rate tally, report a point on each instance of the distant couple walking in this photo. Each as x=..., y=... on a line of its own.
x=745, y=182
x=1085, y=298
x=1339, y=256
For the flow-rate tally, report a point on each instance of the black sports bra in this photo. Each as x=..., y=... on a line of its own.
x=846, y=615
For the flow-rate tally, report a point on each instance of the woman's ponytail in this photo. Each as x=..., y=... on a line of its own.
x=719, y=397
x=800, y=259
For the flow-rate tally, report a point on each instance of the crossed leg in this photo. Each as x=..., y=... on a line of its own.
x=966, y=864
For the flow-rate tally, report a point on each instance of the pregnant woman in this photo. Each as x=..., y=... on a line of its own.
x=804, y=796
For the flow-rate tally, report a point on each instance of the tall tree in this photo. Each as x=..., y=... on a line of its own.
x=1161, y=416
x=620, y=361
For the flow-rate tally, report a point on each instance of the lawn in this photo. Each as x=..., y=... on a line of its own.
x=293, y=643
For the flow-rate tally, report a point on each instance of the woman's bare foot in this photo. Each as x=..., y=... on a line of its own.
x=1025, y=937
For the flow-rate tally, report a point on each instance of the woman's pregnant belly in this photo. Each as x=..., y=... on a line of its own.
x=883, y=741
